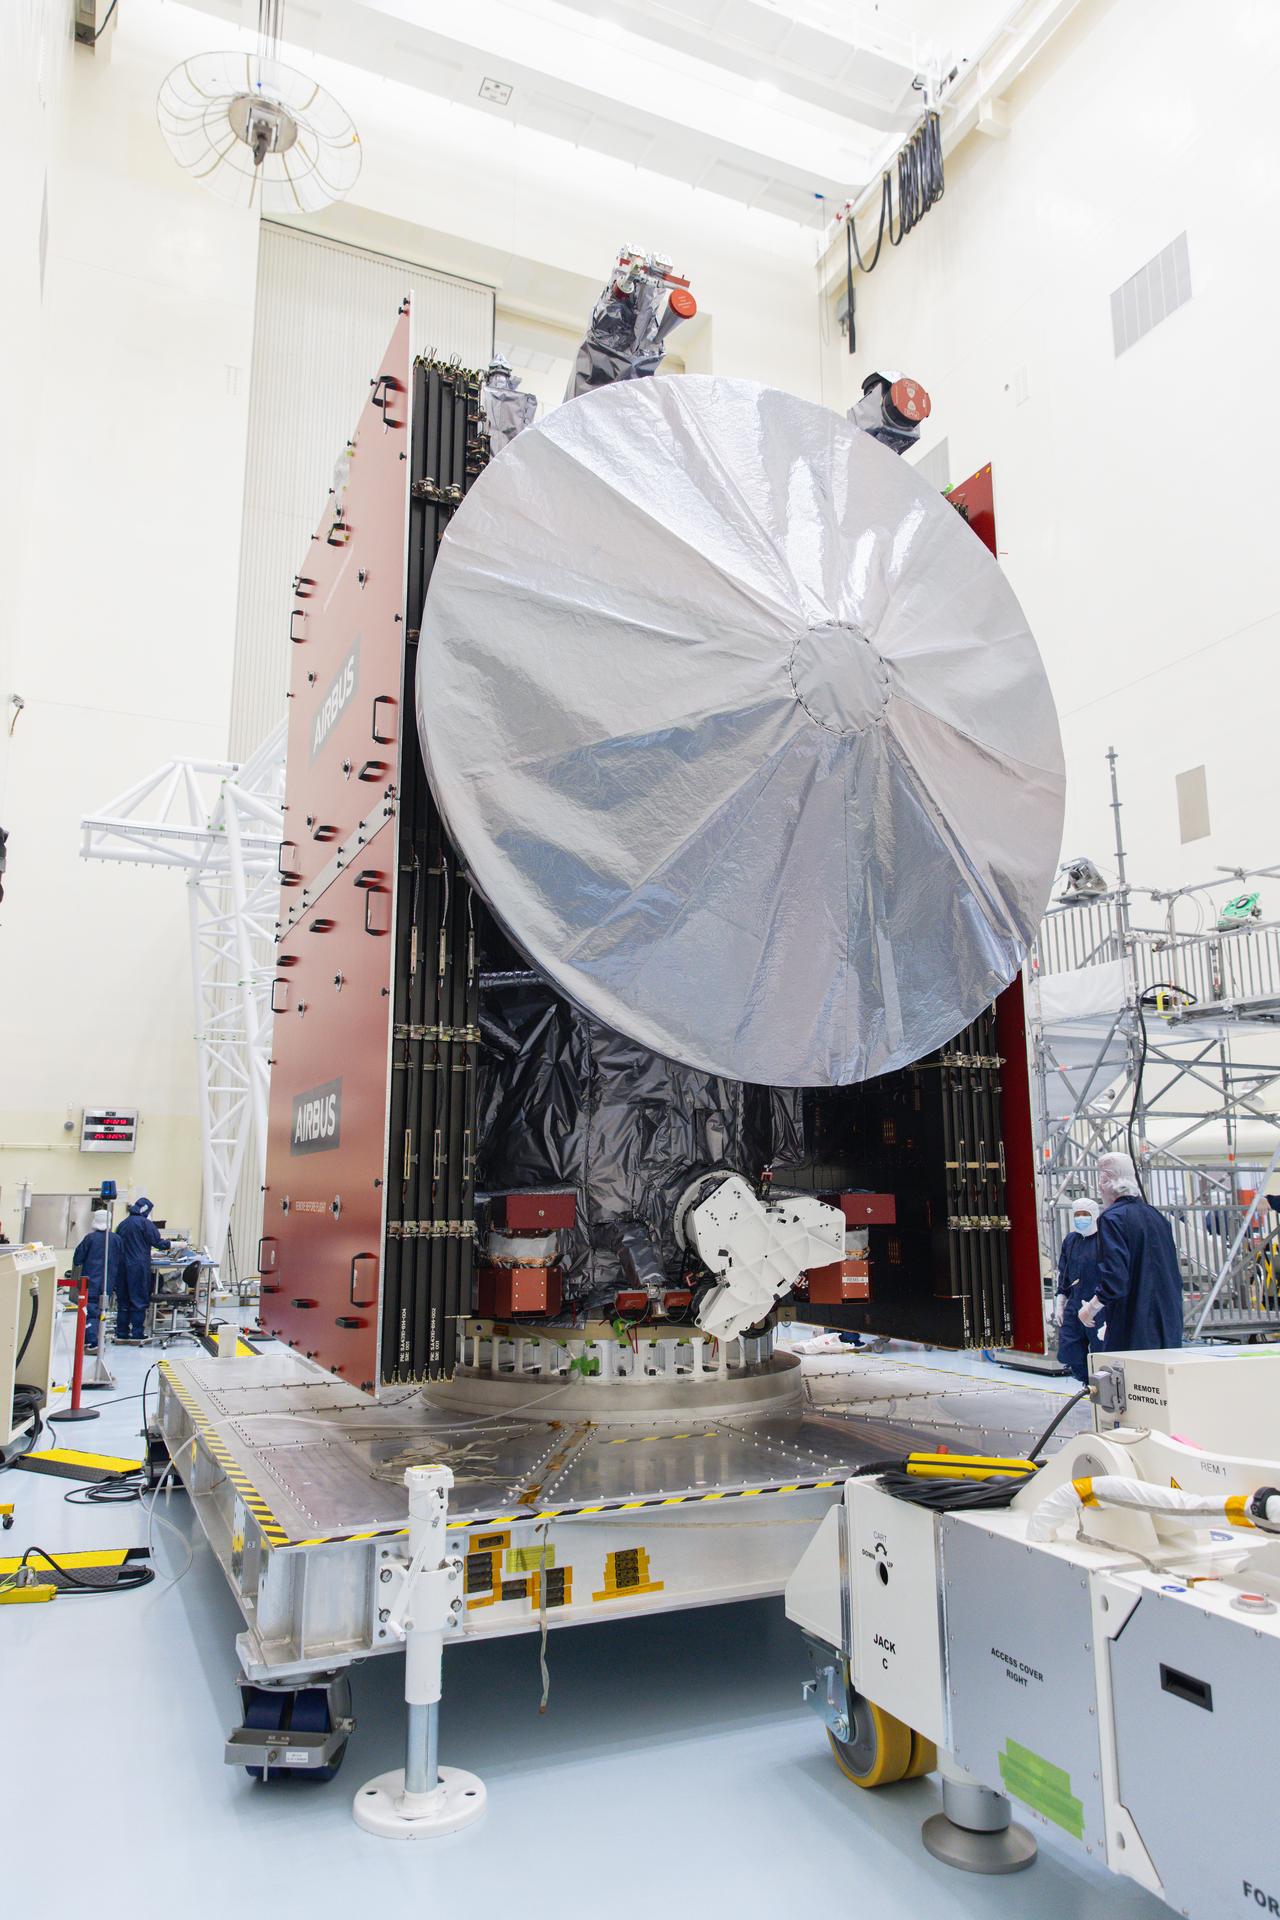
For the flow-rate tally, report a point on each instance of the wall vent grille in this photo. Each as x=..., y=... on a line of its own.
x=1151, y=294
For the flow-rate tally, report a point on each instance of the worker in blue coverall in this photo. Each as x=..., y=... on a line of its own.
x=1078, y=1282
x=1139, y=1293
x=91, y=1259
x=137, y=1235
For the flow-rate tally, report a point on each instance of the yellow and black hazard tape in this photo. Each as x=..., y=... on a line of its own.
x=473, y=1522
x=268, y=1526
x=245, y=1349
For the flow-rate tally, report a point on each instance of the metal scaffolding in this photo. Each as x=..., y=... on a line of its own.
x=219, y=822
x=1164, y=1043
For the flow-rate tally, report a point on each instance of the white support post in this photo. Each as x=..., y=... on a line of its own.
x=256, y=1044
x=422, y=1800
x=204, y=1074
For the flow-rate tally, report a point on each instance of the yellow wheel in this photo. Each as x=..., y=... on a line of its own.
x=878, y=1750
x=924, y=1757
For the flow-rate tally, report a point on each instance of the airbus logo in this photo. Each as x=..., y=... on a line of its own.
x=317, y=1119
x=336, y=700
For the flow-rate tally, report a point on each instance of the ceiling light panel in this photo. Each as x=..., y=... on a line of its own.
x=430, y=69
x=739, y=183
x=871, y=75
x=705, y=13
x=792, y=203
x=755, y=26
x=549, y=114
x=817, y=53
x=610, y=135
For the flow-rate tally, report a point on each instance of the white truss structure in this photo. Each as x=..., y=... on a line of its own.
x=220, y=824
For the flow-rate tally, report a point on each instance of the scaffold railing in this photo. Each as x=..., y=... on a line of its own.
x=1236, y=969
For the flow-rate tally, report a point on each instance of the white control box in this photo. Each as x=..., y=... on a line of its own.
x=1221, y=1400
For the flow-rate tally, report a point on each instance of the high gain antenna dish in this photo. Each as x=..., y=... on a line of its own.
x=258, y=133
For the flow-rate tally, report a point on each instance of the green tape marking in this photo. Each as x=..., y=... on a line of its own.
x=529, y=1559
x=1044, y=1788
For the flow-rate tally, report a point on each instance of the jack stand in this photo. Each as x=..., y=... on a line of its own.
x=422, y=1800
x=974, y=1830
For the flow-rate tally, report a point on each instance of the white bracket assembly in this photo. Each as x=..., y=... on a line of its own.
x=756, y=1249
x=422, y=1800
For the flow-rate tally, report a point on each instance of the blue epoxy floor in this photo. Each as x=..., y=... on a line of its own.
x=675, y=1774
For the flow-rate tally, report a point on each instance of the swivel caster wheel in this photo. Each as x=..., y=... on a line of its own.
x=879, y=1749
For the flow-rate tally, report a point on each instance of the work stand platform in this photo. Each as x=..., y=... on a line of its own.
x=298, y=1482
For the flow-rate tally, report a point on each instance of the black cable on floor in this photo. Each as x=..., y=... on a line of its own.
x=27, y=1405
x=122, y=1487
x=118, y=1491
x=146, y=1381
x=117, y=1401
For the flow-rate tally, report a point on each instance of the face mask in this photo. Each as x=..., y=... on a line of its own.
x=1084, y=1223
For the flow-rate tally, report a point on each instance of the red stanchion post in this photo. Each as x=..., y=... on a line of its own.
x=75, y=1411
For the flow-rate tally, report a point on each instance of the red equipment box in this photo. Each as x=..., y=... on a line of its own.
x=846, y=1279
x=504, y=1291
x=867, y=1209
x=533, y=1211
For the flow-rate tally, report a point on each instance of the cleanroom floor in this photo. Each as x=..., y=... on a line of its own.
x=675, y=1772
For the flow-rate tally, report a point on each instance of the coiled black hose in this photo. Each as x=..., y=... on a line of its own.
x=921, y=184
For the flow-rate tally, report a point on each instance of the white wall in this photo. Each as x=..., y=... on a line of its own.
x=35, y=56
x=131, y=464
x=1135, y=498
